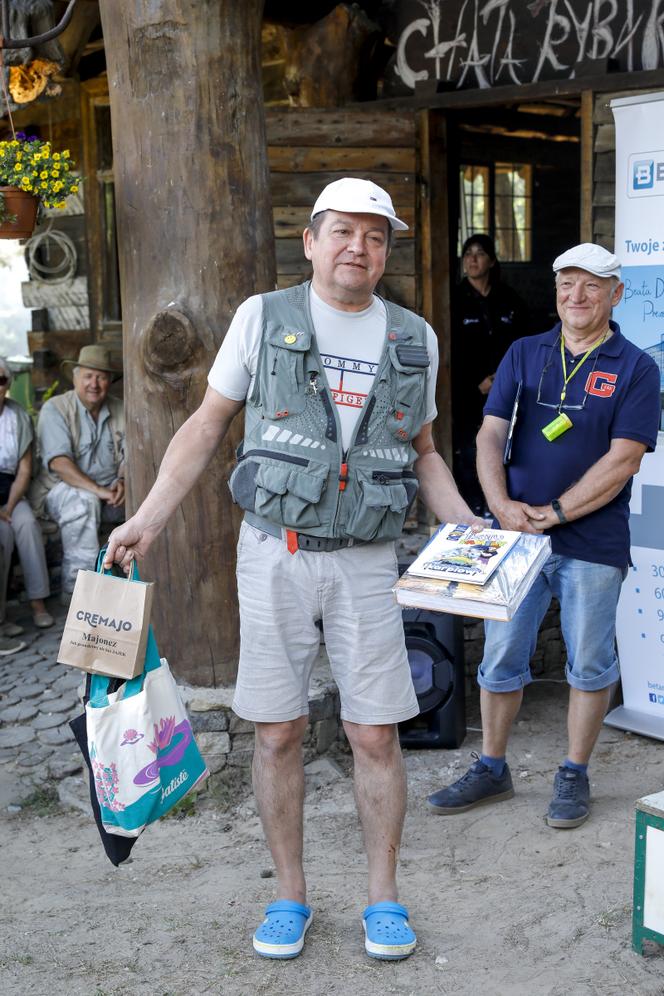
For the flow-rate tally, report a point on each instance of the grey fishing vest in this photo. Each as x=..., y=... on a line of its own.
x=292, y=469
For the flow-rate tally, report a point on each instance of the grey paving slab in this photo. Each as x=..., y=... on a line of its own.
x=62, y=767
x=30, y=691
x=19, y=713
x=30, y=761
x=11, y=698
x=61, y=704
x=53, y=738
x=68, y=681
x=46, y=721
x=14, y=736
x=28, y=750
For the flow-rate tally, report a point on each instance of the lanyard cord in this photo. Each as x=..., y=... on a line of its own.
x=567, y=378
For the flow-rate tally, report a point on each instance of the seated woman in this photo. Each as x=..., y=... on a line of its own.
x=17, y=522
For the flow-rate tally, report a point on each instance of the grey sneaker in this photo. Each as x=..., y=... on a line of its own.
x=476, y=788
x=8, y=646
x=570, y=805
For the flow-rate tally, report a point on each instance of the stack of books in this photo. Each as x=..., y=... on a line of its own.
x=485, y=574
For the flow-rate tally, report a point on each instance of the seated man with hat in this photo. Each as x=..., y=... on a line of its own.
x=81, y=478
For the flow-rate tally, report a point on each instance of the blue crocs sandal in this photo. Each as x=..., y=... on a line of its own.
x=281, y=934
x=388, y=934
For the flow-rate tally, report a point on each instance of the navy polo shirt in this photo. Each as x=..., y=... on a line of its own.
x=619, y=389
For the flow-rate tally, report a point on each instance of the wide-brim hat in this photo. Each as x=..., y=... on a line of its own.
x=95, y=358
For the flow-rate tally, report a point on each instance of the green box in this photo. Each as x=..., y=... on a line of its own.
x=648, y=912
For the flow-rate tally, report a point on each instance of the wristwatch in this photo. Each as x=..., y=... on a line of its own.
x=555, y=505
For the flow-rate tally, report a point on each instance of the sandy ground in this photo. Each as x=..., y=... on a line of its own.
x=501, y=903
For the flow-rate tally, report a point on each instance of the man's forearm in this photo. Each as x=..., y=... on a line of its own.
x=71, y=474
x=491, y=471
x=600, y=484
x=188, y=454
x=439, y=491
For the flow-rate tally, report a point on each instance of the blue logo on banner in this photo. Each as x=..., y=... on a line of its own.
x=652, y=696
x=643, y=174
x=660, y=699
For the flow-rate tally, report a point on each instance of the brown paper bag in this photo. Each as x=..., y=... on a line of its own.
x=107, y=625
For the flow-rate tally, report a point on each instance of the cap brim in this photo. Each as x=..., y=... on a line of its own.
x=67, y=367
x=588, y=269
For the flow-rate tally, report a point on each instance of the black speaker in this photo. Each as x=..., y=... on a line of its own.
x=434, y=641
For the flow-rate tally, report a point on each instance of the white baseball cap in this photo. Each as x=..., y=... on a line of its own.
x=588, y=256
x=358, y=197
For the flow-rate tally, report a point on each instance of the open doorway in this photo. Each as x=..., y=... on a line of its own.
x=514, y=205
x=516, y=174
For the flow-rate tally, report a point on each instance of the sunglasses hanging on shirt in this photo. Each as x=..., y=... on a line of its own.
x=562, y=422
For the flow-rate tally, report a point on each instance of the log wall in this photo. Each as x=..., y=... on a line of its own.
x=309, y=148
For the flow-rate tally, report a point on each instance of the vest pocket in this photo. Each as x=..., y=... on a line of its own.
x=379, y=502
x=286, y=490
x=282, y=383
x=409, y=393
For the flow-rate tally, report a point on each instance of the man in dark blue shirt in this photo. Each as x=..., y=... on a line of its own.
x=589, y=408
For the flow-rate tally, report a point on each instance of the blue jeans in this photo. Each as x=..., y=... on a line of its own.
x=588, y=595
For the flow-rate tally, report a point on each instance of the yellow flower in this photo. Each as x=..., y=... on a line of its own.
x=43, y=186
x=74, y=190
x=60, y=204
x=65, y=154
x=43, y=175
x=56, y=156
x=55, y=173
x=18, y=168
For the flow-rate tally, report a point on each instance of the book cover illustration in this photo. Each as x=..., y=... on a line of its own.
x=456, y=553
x=499, y=598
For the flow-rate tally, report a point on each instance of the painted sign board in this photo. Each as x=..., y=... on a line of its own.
x=639, y=245
x=486, y=43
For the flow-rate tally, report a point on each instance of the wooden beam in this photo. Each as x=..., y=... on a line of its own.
x=500, y=95
x=360, y=128
x=586, y=206
x=302, y=189
x=306, y=159
x=76, y=35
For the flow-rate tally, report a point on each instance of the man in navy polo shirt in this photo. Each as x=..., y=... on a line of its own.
x=589, y=409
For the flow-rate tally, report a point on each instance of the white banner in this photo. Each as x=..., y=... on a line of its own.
x=640, y=247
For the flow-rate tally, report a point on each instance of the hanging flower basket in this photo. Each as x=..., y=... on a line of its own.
x=20, y=213
x=30, y=174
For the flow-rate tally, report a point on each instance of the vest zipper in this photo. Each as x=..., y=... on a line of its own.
x=274, y=456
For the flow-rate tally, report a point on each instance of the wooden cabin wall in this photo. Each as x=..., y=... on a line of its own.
x=308, y=148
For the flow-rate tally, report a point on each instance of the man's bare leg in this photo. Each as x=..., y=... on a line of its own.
x=499, y=710
x=380, y=795
x=585, y=716
x=278, y=779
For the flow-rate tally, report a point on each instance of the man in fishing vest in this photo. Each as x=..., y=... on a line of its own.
x=588, y=409
x=338, y=389
x=81, y=449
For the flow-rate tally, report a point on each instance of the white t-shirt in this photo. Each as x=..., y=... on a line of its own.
x=350, y=344
x=8, y=441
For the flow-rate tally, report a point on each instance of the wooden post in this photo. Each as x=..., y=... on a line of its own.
x=436, y=260
x=587, y=135
x=195, y=235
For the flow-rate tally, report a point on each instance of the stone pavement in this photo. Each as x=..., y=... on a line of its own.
x=38, y=697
